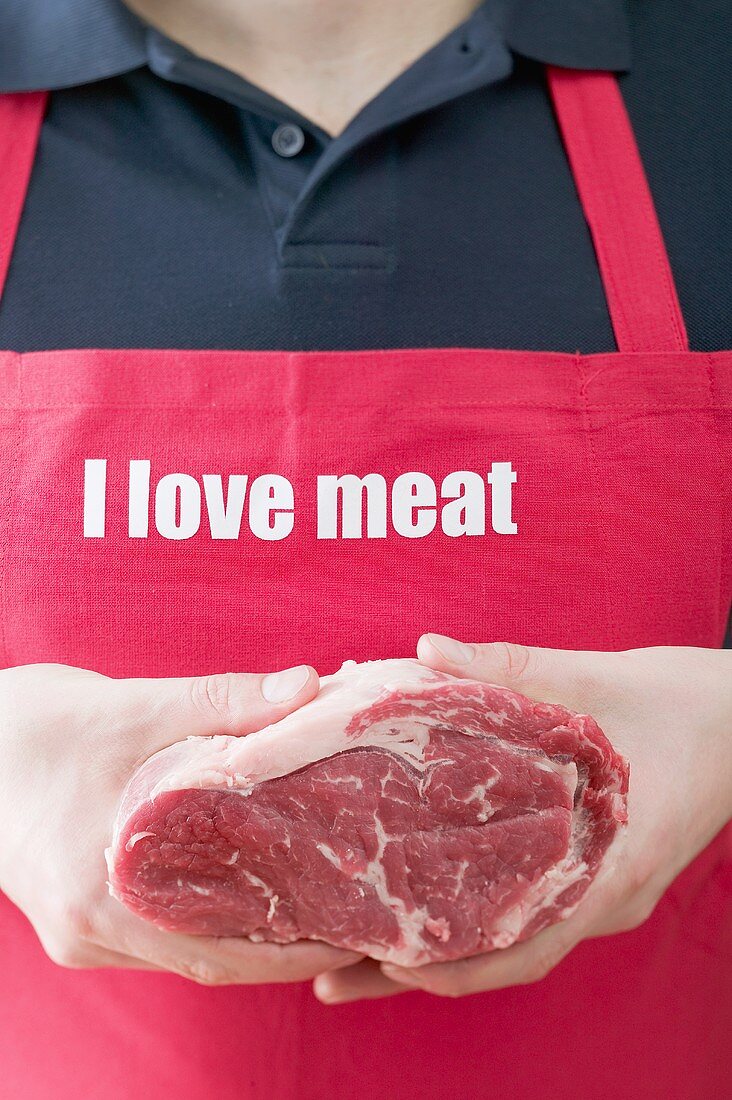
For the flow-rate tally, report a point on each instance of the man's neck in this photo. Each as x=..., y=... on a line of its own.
x=325, y=58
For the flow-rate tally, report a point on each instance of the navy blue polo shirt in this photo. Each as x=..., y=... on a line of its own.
x=175, y=204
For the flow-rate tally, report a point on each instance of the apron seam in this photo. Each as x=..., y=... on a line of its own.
x=668, y=286
x=6, y=521
x=586, y=410
x=722, y=406
x=723, y=580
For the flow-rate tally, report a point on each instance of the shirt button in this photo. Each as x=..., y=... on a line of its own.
x=288, y=139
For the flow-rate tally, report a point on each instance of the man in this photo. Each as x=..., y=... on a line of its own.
x=332, y=177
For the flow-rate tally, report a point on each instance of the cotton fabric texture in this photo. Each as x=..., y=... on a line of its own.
x=622, y=502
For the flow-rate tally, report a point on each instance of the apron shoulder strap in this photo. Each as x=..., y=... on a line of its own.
x=619, y=209
x=21, y=115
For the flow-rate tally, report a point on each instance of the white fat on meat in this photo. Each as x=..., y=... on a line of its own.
x=315, y=732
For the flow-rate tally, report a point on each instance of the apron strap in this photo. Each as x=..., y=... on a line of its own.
x=619, y=209
x=21, y=115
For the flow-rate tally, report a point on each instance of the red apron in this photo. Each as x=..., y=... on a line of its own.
x=621, y=504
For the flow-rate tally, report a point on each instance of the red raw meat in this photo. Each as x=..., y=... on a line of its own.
x=403, y=813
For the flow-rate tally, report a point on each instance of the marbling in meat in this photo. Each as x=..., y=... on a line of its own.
x=403, y=813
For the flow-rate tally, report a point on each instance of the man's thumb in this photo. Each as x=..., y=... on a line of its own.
x=231, y=703
x=545, y=675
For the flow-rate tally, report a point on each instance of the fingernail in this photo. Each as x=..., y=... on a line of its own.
x=325, y=991
x=457, y=653
x=401, y=975
x=280, y=687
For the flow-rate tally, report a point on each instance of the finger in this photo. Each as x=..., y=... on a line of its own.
x=364, y=981
x=169, y=710
x=83, y=954
x=521, y=964
x=550, y=675
x=217, y=961
x=104, y=959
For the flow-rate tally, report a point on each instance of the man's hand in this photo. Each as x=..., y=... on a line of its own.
x=669, y=712
x=69, y=741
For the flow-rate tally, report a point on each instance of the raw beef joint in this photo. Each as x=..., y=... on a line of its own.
x=402, y=813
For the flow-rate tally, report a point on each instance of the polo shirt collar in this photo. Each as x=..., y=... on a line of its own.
x=575, y=34
x=46, y=46
x=72, y=42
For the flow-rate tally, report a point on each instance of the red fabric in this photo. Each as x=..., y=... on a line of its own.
x=612, y=185
x=20, y=125
x=623, y=504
